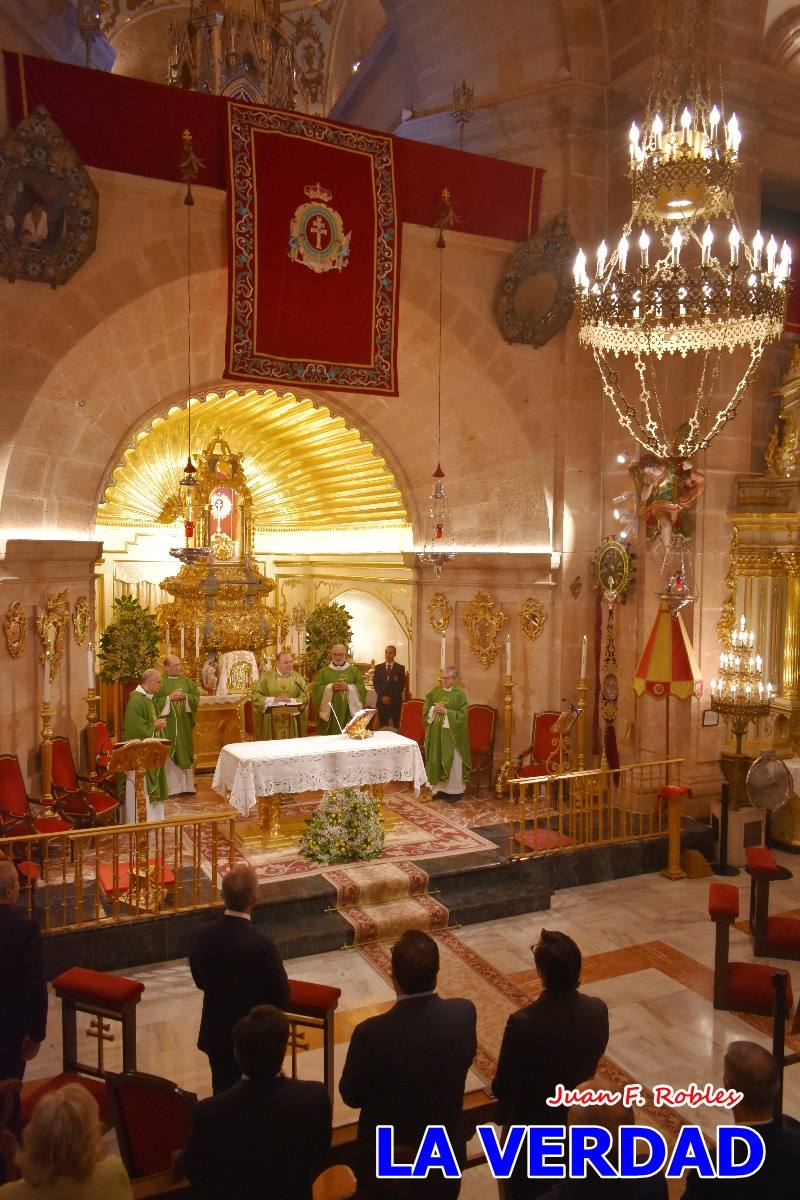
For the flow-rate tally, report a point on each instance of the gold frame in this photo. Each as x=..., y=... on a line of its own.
x=15, y=615
x=50, y=626
x=532, y=618
x=483, y=622
x=80, y=621
x=439, y=613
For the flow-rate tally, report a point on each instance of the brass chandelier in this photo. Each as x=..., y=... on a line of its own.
x=663, y=290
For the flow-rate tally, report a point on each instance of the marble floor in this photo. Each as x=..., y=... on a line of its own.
x=648, y=949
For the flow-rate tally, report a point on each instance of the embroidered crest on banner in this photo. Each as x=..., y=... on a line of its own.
x=316, y=235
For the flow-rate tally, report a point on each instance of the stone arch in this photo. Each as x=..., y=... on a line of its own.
x=782, y=41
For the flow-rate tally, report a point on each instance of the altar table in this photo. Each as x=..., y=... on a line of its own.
x=247, y=770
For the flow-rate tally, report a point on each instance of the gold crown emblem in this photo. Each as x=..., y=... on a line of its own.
x=317, y=192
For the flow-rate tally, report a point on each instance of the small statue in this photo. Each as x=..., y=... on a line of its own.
x=208, y=673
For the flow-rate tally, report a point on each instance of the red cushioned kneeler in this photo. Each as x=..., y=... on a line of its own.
x=312, y=1005
x=105, y=997
x=771, y=937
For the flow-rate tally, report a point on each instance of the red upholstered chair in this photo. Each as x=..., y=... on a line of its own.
x=544, y=743
x=85, y=802
x=771, y=937
x=738, y=986
x=481, y=726
x=151, y=1118
x=411, y=722
x=103, y=745
x=312, y=1005
x=16, y=817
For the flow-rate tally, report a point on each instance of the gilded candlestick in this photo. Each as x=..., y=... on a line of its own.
x=582, y=689
x=506, y=771
x=92, y=707
x=47, y=715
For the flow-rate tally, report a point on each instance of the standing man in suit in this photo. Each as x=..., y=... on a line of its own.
x=236, y=967
x=23, y=993
x=389, y=681
x=274, y=1131
x=407, y=1068
x=559, y=1038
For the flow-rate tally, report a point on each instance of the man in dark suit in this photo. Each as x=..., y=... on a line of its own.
x=407, y=1068
x=23, y=992
x=751, y=1070
x=560, y=1038
x=389, y=682
x=265, y=1136
x=236, y=967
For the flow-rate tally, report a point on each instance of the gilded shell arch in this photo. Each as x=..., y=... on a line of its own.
x=307, y=467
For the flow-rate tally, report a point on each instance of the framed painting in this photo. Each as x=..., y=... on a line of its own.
x=48, y=204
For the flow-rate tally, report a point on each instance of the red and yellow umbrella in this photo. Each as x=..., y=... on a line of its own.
x=668, y=666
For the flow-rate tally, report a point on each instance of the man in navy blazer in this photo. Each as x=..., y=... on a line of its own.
x=407, y=1068
x=236, y=966
x=23, y=992
x=265, y=1136
x=389, y=681
x=559, y=1038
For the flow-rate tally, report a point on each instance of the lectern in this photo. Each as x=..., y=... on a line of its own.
x=140, y=756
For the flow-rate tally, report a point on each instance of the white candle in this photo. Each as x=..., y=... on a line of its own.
x=90, y=667
x=169, y=647
x=302, y=641
x=508, y=654
x=584, y=652
x=278, y=637
x=182, y=643
x=46, y=683
x=443, y=652
x=197, y=641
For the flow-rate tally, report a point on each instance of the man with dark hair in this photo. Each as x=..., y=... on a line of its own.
x=274, y=1132
x=389, y=681
x=23, y=993
x=407, y=1068
x=751, y=1070
x=236, y=967
x=559, y=1038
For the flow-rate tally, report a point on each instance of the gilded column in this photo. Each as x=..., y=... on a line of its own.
x=790, y=683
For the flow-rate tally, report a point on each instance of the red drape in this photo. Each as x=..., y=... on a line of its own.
x=135, y=127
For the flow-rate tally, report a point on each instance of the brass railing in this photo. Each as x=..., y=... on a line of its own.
x=83, y=873
x=549, y=813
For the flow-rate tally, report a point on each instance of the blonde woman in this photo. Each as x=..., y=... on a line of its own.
x=61, y=1154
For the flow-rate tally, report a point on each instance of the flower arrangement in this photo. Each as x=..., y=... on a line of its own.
x=347, y=826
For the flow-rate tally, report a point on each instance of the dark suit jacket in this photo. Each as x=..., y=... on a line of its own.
x=777, y=1179
x=236, y=967
x=557, y=1039
x=407, y=1068
x=390, y=683
x=23, y=992
x=259, y=1141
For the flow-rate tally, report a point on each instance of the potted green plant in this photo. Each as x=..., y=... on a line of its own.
x=327, y=625
x=127, y=648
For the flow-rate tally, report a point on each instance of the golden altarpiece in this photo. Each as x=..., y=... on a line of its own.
x=764, y=583
x=220, y=619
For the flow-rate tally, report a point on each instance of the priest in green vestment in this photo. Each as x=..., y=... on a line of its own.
x=338, y=691
x=142, y=721
x=275, y=688
x=176, y=701
x=447, y=756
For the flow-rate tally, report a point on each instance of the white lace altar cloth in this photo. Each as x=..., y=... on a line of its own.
x=247, y=770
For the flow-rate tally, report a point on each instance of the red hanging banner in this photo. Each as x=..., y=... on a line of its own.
x=314, y=252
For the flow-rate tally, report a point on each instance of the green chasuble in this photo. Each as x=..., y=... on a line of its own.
x=344, y=704
x=441, y=741
x=140, y=722
x=270, y=683
x=180, y=723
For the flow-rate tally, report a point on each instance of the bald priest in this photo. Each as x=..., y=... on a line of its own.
x=338, y=692
x=277, y=688
x=142, y=721
x=176, y=701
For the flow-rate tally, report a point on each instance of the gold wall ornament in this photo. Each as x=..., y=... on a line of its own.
x=532, y=617
x=727, y=620
x=80, y=620
x=536, y=296
x=439, y=613
x=15, y=629
x=483, y=621
x=48, y=204
x=50, y=626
